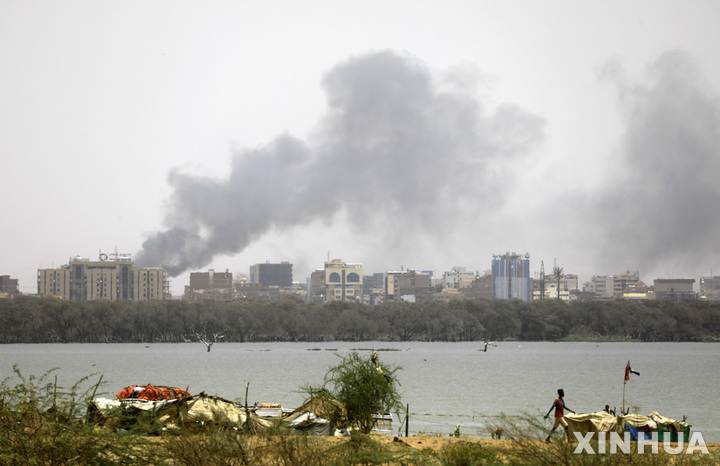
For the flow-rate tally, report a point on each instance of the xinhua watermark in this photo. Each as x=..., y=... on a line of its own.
x=623, y=444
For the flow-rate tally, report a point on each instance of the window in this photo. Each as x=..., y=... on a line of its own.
x=353, y=278
x=334, y=277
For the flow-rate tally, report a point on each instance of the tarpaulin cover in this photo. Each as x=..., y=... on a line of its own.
x=606, y=422
x=152, y=392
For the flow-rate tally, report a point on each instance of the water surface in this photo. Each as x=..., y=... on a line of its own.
x=445, y=384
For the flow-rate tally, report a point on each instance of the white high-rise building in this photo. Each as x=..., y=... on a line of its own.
x=511, y=276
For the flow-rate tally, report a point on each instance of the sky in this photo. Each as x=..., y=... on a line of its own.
x=398, y=134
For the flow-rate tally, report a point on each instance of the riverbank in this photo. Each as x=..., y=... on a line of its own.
x=421, y=449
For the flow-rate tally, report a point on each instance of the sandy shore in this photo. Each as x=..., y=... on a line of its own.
x=423, y=442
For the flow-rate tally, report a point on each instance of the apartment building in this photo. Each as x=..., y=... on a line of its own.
x=112, y=278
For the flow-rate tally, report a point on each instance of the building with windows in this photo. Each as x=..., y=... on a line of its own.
x=602, y=286
x=8, y=287
x=511, y=276
x=268, y=274
x=112, y=278
x=343, y=281
x=408, y=285
x=625, y=282
x=615, y=286
x=338, y=281
x=209, y=286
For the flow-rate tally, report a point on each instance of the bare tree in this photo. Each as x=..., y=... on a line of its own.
x=209, y=342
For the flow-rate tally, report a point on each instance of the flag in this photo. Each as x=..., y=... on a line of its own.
x=628, y=371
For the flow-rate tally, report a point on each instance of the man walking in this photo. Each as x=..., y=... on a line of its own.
x=560, y=407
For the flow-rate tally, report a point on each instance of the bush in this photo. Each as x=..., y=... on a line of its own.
x=364, y=387
x=41, y=423
x=464, y=453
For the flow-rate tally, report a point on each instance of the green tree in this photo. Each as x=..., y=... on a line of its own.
x=363, y=386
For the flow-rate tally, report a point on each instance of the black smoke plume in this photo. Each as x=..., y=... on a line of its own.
x=396, y=150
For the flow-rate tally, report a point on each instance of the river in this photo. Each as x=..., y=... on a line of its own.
x=444, y=384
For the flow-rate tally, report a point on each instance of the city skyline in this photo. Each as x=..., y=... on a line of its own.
x=176, y=286
x=200, y=137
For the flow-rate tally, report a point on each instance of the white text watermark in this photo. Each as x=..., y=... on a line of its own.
x=623, y=444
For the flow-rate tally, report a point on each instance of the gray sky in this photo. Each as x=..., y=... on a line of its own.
x=396, y=134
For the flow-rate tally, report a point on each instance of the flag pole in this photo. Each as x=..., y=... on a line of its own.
x=623, y=407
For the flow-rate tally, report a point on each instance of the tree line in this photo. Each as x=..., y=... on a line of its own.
x=46, y=320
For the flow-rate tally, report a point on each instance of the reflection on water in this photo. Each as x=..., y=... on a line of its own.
x=445, y=384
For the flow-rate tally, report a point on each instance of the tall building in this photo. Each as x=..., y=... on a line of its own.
x=272, y=274
x=511, y=276
x=112, y=278
x=342, y=281
x=210, y=286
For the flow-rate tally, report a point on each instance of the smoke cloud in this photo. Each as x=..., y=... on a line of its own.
x=394, y=145
x=659, y=209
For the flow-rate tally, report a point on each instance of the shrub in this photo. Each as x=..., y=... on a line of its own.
x=364, y=387
x=41, y=423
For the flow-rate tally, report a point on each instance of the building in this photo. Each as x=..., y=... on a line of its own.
x=316, y=287
x=710, y=287
x=674, y=289
x=374, y=289
x=567, y=290
x=456, y=275
x=112, y=278
x=209, y=286
x=625, y=283
x=8, y=287
x=616, y=286
x=338, y=281
x=268, y=274
x=408, y=285
x=602, y=286
x=480, y=287
x=511, y=276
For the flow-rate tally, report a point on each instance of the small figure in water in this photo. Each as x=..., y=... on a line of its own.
x=560, y=407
